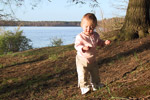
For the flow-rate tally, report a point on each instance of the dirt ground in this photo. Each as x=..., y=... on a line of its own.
x=124, y=68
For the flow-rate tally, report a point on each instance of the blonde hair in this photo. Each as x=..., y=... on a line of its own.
x=91, y=17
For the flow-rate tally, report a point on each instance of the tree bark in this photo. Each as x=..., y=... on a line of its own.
x=137, y=20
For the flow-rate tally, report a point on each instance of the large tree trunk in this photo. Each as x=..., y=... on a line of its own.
x=137, y=20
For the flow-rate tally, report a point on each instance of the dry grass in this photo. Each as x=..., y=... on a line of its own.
x=50, y=73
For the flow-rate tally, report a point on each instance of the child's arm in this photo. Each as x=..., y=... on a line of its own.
x=79, y=46
x=103, y=43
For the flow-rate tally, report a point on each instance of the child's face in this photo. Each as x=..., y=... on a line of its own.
x=87, y=27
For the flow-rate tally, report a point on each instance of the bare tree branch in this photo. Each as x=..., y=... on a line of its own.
x=8, y=6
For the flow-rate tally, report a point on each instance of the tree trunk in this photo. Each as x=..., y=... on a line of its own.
x=137, y=20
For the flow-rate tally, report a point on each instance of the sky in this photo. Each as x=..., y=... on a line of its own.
x=62, y=10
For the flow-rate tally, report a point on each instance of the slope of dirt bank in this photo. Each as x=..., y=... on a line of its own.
x=50, y=73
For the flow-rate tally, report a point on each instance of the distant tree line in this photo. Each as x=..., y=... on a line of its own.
x=39, y=23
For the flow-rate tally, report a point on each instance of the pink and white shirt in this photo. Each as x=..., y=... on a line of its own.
x=92, y=41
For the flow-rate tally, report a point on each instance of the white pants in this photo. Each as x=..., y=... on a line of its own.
x=85, y=69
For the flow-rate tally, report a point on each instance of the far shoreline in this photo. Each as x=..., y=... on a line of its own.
x=40, y=23
x=39, y=26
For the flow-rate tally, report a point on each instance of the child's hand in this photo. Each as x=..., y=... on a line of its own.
x=86, y=48
x=107, y=42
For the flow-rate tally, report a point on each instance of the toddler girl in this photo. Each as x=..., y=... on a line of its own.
x=85, y=44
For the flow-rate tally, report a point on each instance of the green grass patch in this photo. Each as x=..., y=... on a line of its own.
x=1, y=66
x=53, y=57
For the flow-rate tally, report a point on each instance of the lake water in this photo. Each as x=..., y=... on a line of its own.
x=40, y=36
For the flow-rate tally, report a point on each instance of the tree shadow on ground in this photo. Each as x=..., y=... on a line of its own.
x=40, y=58
x=139, y=49
x=38, y=83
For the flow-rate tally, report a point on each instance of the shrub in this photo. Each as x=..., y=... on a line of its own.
x=13, y=42
x=56, y=41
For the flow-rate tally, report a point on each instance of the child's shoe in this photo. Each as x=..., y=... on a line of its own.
x=85, y=90
x=96, y=87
